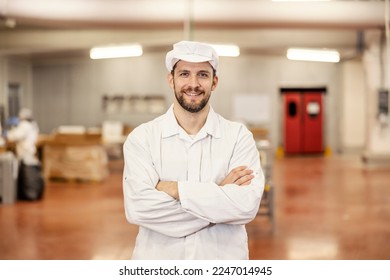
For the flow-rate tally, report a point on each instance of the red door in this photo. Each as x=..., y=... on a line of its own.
x=312, y=123
x=303, y=121
x=293, y=122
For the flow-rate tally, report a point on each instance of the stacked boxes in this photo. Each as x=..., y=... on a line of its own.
x=75, y=157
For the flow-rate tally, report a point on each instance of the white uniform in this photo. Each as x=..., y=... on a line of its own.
x=209, y=221
x=25, y=134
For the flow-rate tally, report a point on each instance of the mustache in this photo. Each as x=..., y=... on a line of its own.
x=193, y=89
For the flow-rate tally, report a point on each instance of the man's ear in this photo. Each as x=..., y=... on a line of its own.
x=215, y=83
x=170, y=80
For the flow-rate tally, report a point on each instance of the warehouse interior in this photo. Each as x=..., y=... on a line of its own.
x=332, y=202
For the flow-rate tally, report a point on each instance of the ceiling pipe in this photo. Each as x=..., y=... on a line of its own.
x=385, y=68
x=244, y=13
x=359, y=48
x=188, y=23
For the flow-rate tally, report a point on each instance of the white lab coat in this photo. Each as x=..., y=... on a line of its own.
x=25, y=134
x=209, y=221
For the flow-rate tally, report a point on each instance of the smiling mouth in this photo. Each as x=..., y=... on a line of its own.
x=193, y=93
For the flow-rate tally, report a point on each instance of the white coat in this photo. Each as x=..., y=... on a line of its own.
x=209, y=221
x=25, y=134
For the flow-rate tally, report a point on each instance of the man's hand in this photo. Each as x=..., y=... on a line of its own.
x=169, y=187
x=240, y=176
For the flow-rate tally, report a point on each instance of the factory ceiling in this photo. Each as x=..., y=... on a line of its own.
x=259, y=26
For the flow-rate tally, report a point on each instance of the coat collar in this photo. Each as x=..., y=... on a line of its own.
x=171, y=126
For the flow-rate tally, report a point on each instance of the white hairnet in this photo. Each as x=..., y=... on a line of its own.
x=192, y=52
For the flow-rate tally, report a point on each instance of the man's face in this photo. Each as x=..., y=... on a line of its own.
x=193, y=84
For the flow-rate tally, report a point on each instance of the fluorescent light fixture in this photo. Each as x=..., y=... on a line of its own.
x=116, y=51
x=322, y=55
x=301, y=0
x=227, y=50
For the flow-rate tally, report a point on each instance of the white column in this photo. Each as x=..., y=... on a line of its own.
x=3, y=80
x=378, y=132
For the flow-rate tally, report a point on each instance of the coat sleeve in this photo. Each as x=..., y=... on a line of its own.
x=230, y=204
x=146, y=206
x=18, y=133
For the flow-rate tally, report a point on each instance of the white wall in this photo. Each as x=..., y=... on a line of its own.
x=70, y=91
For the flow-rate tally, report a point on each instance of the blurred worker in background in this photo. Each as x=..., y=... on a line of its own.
x=25, y=135
x=192, y=179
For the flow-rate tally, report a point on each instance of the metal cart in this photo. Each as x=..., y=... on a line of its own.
x=8, y=174
x=267, y=201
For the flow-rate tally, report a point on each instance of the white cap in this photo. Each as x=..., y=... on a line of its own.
x=25, y=114
x=192, y=52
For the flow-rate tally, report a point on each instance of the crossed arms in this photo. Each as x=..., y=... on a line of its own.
x=240, y=176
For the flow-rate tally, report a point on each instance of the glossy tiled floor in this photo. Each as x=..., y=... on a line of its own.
x=325, y=208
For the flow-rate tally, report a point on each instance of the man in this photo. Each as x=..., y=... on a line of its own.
x=25, y=134
x=192, y=179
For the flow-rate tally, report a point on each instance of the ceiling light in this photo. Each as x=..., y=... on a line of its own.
x=301, y=0
x=322, y=55
x=227, y=50
x=116, y=51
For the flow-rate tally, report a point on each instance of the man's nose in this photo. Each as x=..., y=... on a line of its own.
x=194, y=81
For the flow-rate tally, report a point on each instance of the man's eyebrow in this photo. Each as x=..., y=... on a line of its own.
x=200, y=71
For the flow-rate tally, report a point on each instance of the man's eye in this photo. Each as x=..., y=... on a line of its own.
x=183, y=74
x=204, y=75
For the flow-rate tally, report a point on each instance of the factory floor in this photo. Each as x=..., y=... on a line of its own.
x=324, y=208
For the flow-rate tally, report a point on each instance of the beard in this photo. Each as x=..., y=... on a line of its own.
x=192, y=107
